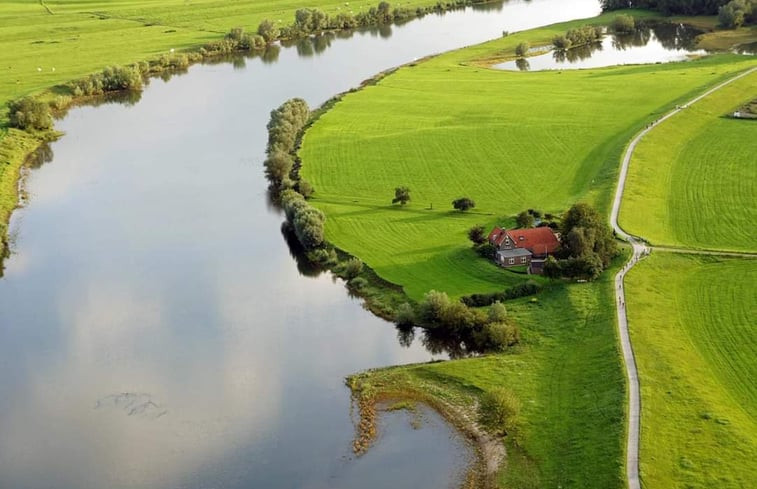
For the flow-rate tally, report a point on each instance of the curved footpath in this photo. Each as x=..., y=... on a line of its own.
x=640, y=250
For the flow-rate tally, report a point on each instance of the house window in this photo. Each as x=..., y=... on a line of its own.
x=511, y=261
x=524, y=259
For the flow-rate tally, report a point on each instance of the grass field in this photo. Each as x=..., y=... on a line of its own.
x=692, y=324
x=570, y=383
x=693, y=180
x=449, y=128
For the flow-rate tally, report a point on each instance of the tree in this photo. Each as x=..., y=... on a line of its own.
x=278, y=167
x=268, y=30
x=525, y=220
x=308, y=226
x=463, y=204
x=522, y=49
x=477, y=234
x=401, y=195
x=561, y=42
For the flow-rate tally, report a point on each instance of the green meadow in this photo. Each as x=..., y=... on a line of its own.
x=692, y=324
x=450, y=127
x=691, y=182
x=569, y=381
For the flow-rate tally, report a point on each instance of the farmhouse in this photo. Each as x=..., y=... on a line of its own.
x=530, y=247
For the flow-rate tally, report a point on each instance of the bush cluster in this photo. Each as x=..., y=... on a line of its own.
x=235, y=40
x=29, y=114
x=479, y=330
x=111, y=79
x=524, y=289
x=284, y=129
x=499, y=410
x=737, y=13
x=578, y=37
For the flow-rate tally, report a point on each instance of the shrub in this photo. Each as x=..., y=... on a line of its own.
x=28, y=113
x=463, y=204
x=61, y=102
x=357, y=283
x=499, y=410
x=323, y=257
x=405, y=316
x=268, y=31
x=500, y=336
x=623, y=23
x=521, y=49
x=497, y=313
x=352, y=268
x=121, y=78
x=477, y=234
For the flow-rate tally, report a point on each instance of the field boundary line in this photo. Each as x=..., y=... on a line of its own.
x=640, y=250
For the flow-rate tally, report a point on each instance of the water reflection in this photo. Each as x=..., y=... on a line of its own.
x=654, y=43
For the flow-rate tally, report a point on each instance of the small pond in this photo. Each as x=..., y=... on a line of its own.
x=661, y=43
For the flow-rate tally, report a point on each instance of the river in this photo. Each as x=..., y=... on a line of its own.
x=155, y=331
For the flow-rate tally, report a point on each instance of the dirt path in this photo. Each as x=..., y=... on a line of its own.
x=640, y=250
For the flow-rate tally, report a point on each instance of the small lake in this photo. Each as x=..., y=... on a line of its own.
x=662, y=43
x=156, y=332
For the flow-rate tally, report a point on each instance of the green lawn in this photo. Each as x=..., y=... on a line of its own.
x=692, y=180
x=693, y=329
x=570, y=383
x=449, y=127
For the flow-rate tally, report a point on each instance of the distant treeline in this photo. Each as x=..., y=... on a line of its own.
x=732, y=13
x=683, y=7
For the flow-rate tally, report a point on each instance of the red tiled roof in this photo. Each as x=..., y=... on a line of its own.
x=497, y=236
x=539, y=241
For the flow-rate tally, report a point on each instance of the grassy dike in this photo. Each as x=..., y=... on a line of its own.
x=566, y=374
x=695, y=343
x=450, y=127
x=691, y=180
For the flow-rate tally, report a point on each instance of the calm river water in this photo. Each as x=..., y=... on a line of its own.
x=155, y=331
